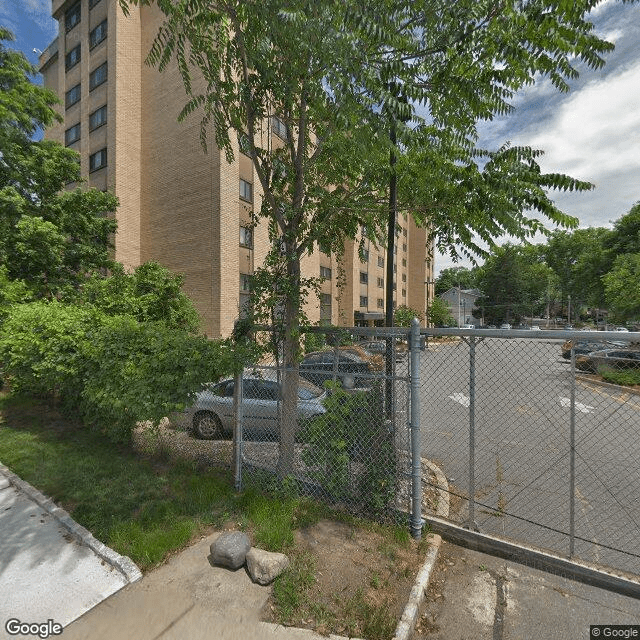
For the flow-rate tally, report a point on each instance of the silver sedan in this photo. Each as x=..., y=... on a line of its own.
x=212, y=415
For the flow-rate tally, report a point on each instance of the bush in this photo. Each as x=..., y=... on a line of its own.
x=43, y=349
x=352, y=450
x=113, y=370
x=145, y=371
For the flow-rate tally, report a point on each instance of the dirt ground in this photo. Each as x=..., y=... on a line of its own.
x=363, y=578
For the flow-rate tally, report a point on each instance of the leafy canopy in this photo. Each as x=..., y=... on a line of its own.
x=49, y=238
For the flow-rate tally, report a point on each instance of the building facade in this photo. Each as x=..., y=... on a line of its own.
x=461, y=303
x=191, y=211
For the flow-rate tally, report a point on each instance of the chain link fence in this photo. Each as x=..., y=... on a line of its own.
x=537, y=438
x=352, y=438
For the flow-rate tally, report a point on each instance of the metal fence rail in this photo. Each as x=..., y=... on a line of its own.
x=537, y=448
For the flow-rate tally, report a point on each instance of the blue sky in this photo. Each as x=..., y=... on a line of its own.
x=591, y=133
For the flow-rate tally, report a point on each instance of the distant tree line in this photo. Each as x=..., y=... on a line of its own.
x=589, y=270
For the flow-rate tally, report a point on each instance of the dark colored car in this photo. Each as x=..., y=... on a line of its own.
x=352, y=369
x=379, y=347
x=617, y=359
x=582, y=347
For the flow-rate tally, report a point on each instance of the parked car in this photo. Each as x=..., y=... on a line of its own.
x=536, y=327
x=505, y=325
x=379, y=348
x=468, y=326
x=211, y=417
x=352, y=370
x=582, y=347
x=612, y=358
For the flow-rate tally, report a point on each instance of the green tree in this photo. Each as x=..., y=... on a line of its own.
x=514, y=281
x=622, y=287
x=49, y=238
x=455, y=277
x=151, y=293
x=338, y=76
x=440, y=313
x=625, y=237
x=403, y=316
x=579, y=259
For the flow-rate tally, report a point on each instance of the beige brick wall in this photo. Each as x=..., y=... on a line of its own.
x=177, y=205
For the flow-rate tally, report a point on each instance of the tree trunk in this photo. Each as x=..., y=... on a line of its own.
x=291, y=349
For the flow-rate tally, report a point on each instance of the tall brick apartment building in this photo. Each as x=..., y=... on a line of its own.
x=190, y=211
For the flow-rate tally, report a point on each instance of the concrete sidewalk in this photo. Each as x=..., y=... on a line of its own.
x=476, y=596
x=49, y=570
x=186, y=598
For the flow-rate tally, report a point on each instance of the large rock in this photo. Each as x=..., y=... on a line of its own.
x=264, y=566
x=230, y=549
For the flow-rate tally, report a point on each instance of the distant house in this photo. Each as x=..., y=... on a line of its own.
x=461, y=303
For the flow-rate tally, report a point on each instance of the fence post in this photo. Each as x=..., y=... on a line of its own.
x=416, y=462
x=237, y=430
x=572, y=457
x=472, y=432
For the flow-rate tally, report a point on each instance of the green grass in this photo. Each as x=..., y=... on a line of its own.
x=142, y=508
x=625, y=378
x=289, y=590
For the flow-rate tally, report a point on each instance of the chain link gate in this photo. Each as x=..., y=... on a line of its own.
x=353, y=445
x=537, y=450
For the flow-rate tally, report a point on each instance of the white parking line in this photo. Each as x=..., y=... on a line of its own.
x=461, y=399
x=583, y=408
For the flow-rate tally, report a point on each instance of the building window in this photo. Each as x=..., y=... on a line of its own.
x=98, y=76
x=72, y=96
x=404, y=277
x=72, y=58
x=380, y=303
x=325, y=306
x=395, y=268
x=279, y=127
x=404, y=247
x=380, y=261
x=246, y=190
x=364, y=301
x=404, y=262
x=325, y=272
x=365, y=255
x=381, y=283
x=245, y=282
x=364, y=278
x=98, y=160
x=72, y=17
x=246, y=237
x=93, y=3
x=404, y=233
x=404, y=293
x=394, y=286
x=72, y=134
x=244, y=305
x=98, y=118
x=98, y=34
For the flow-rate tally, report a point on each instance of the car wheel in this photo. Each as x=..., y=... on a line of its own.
x=207, y=426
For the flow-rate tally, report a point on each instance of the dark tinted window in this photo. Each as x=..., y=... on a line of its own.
x=98, y=160
x=98, y=118
x=72, y=134
x=72, y=16
x=72, y=58
x=98, y=76
x=98, y=34
x=72, y=96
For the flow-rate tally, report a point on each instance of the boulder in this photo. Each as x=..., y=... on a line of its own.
x=264, y=566
x=230, y=549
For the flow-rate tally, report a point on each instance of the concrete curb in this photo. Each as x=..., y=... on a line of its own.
x=122, y=563
x=409, y=617
x=608, y=385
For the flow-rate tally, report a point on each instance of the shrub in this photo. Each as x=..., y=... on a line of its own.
x=351, y=451
x=625, y=378
x=42, y=348
x=113, y=370
x=145, y=371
